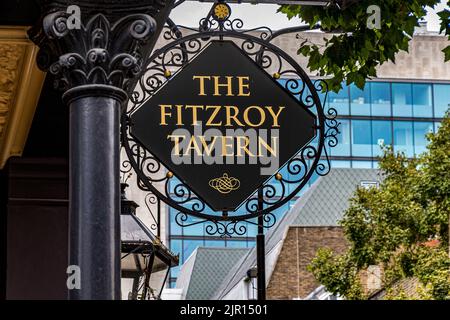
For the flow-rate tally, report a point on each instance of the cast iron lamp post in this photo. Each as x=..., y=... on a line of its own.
x=145, y=261
x=96, y=63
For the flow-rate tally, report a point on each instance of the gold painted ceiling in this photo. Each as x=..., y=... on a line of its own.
x=20, y=86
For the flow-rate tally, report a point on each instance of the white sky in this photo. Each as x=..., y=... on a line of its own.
x=190, y=12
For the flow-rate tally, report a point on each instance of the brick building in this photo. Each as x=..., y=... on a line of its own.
x=290, y=278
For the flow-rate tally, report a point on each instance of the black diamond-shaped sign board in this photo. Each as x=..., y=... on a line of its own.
x=219, y=121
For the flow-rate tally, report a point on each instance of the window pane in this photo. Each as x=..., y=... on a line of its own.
x=340, y=100
x=193, y=230
x=362, y=164
x=189, y=246
x=422, y=100
x=421, y=129
x=175, y=229
x=174, y=272
x=215, y=243
x=361, y=138
x=441, y=99
x=252, y=229
x=236, y=243
x=403, y=137
x=343, y=147
x=340, y=164
x=402, y=99
x=380, y=98
x=381, y=135
x=360, y=100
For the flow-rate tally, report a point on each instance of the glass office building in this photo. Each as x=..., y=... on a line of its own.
x=390, y=113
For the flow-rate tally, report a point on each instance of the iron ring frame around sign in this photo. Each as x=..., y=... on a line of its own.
x=323, y=134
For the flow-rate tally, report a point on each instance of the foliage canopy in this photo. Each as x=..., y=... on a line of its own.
x=355, y=50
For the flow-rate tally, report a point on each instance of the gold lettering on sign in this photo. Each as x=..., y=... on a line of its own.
x=176, y=139
x=194, y=113
x=193, y=145
x=243, y=86
x=262, y=116
x=202, y=83
x=233, y=116
x=225, y=184
x=227, y=85
x=262, y=142
x=179, y=114
x=275, y=115
x=164, y=113
x=244, y=146
x=213, y=116
x=226, y=145
x=209, y=148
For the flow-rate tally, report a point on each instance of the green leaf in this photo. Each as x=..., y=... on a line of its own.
x=447, y=53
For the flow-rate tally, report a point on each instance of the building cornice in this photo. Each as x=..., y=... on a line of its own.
x=20, y=87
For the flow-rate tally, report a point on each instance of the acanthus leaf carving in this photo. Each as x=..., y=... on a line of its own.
x=99, y=52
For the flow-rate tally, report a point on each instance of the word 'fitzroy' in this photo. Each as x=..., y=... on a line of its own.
x=252, y=132
x=218, y=116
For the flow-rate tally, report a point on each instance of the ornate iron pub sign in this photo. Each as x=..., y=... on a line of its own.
x=219, y=121
x=221, y=113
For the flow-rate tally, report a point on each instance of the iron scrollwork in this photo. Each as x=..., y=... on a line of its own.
x=183, y=45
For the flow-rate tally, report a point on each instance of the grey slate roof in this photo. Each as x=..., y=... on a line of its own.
x=210, y=267
x=323, y=204
x=329, y=200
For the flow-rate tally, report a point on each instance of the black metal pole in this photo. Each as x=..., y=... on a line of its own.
x=94, y=192
x=135, y=289
x=158, y=223
x=96, y=63
x=260, y=252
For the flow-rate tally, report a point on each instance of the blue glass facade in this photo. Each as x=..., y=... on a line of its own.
x=398, y=114
x=390, y=113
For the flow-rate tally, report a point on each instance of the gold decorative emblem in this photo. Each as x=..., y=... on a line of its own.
x=221, y=11
x=225, y=184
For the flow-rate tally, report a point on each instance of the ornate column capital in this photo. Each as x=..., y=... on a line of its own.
x=105, y=50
